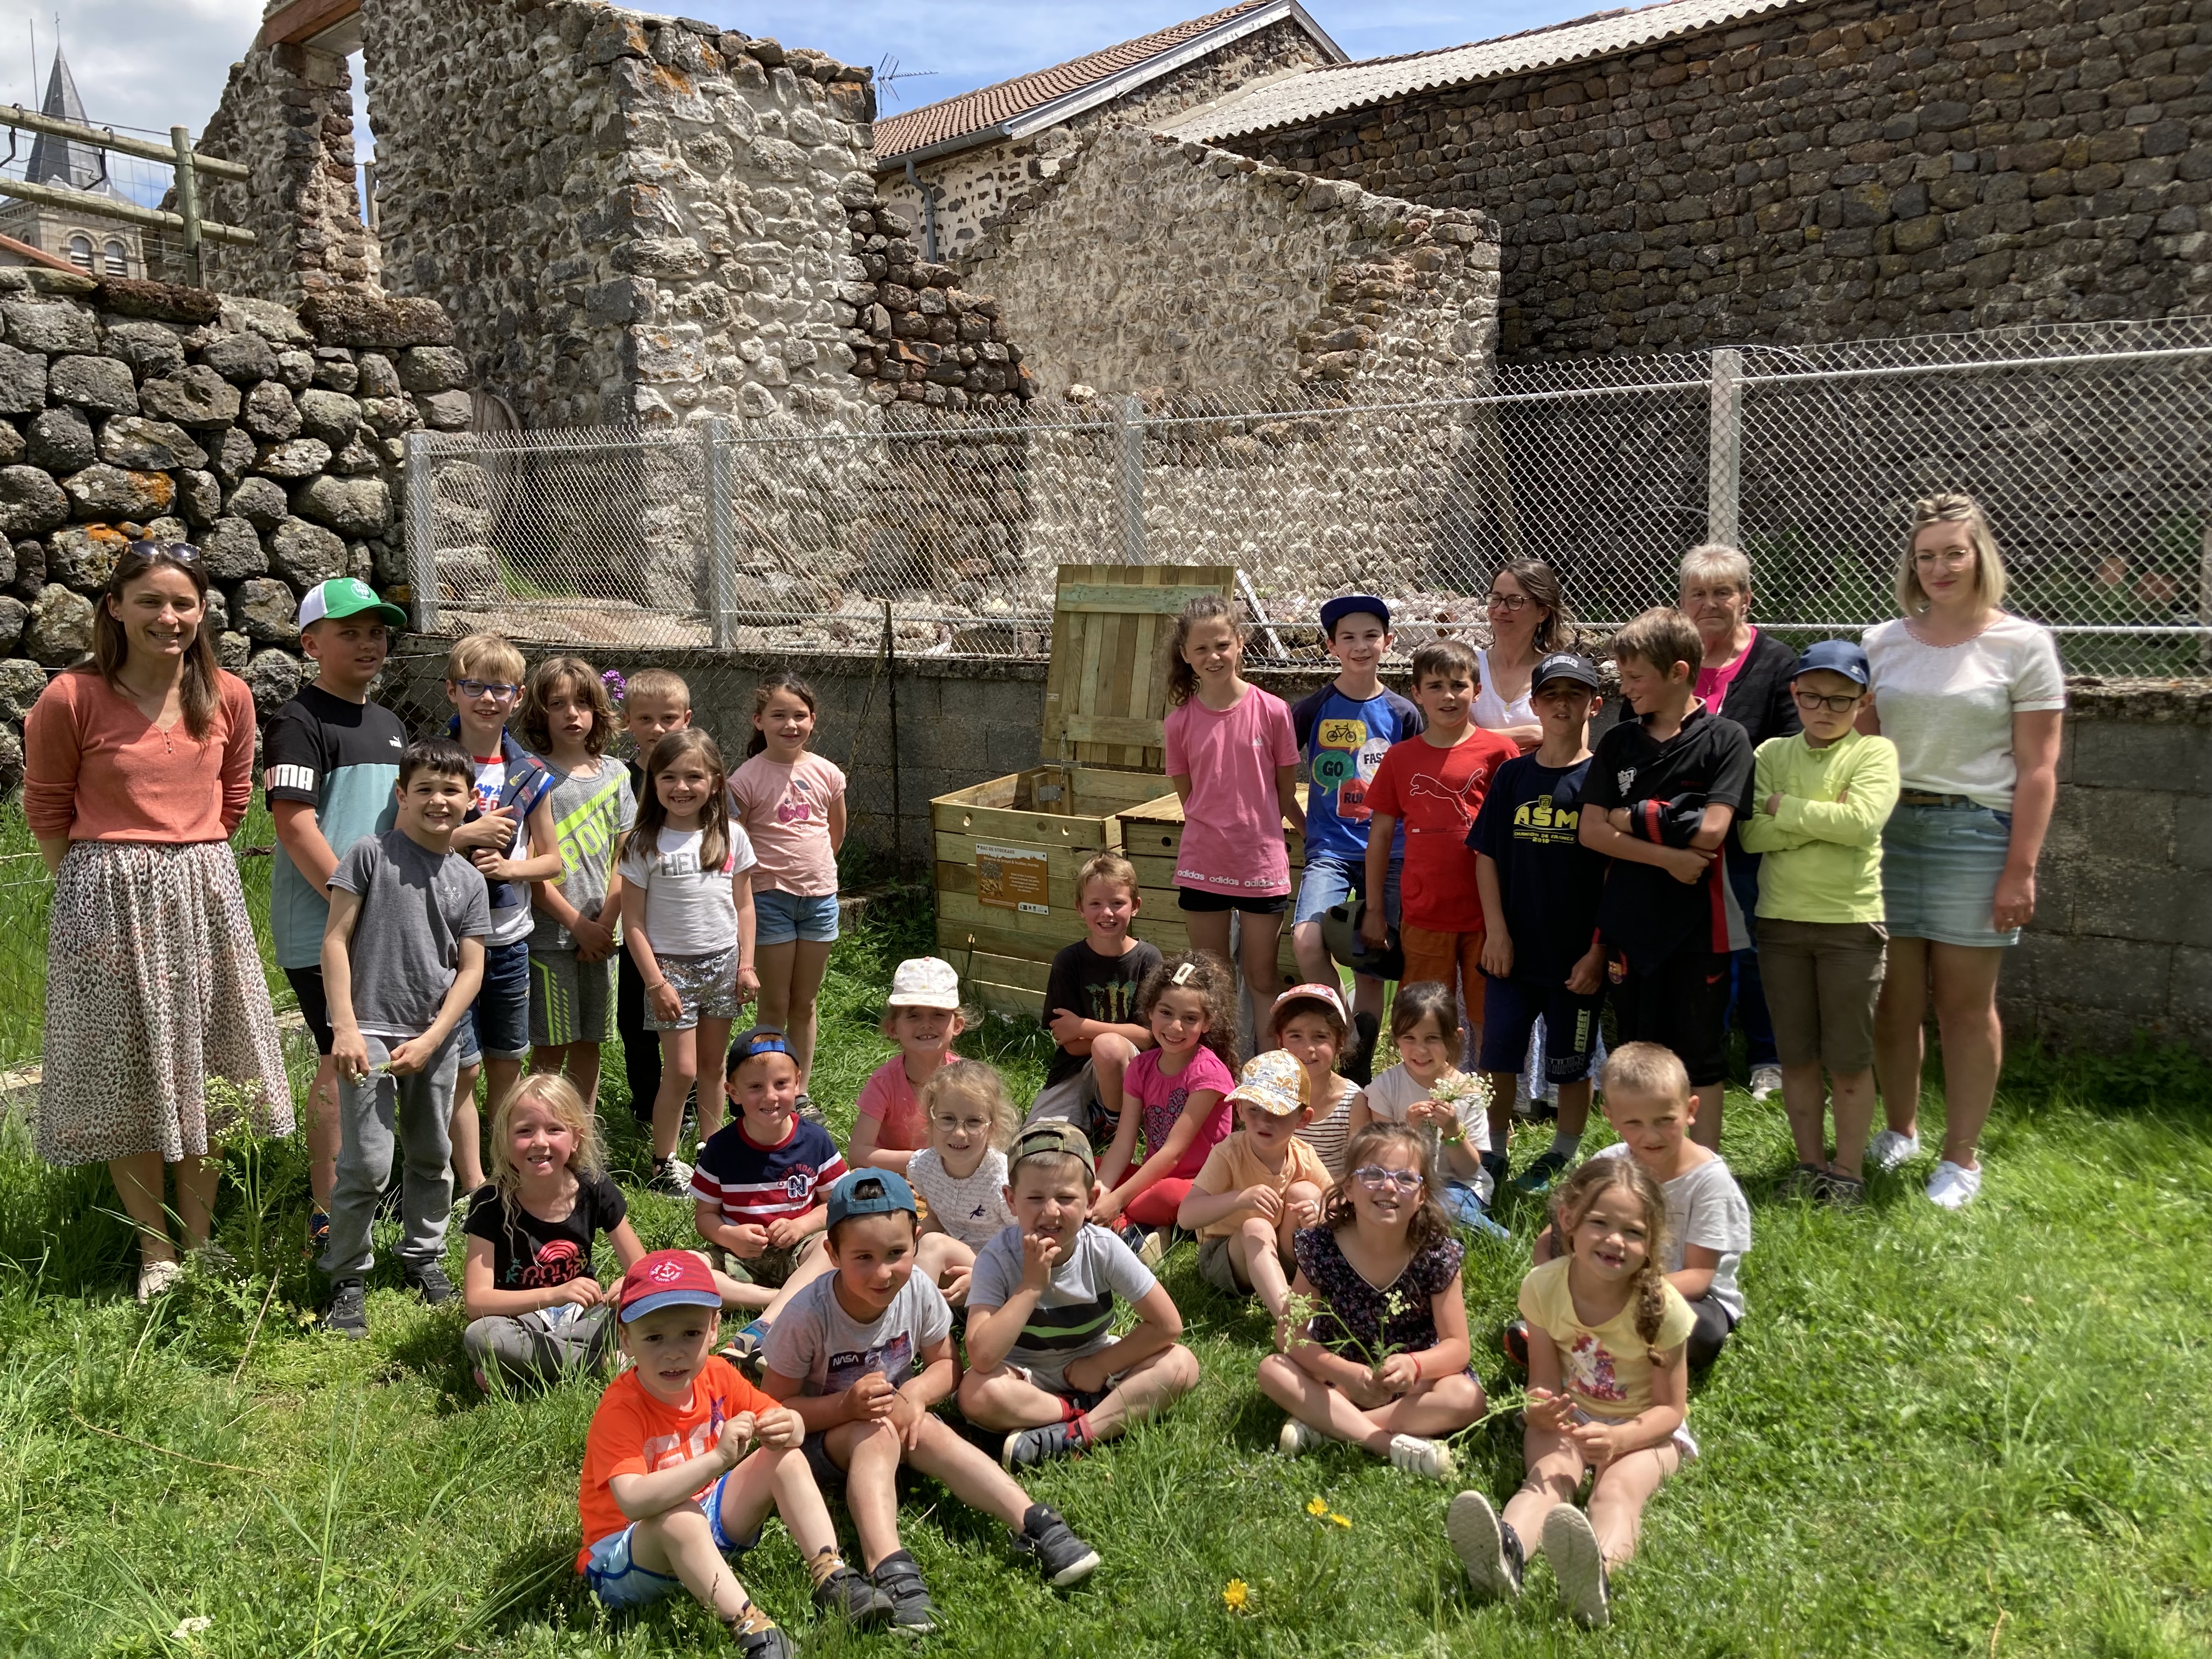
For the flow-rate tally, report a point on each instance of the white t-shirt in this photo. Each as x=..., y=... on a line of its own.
x=516, y=920
x=973, y=1211
x=1705, y=1207
x=1950, y=708
x=1397, y=1092
x=689, y=912
x=1491, y=712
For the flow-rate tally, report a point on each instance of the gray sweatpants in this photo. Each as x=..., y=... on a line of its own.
x=543, y=1345
x=372, y=1114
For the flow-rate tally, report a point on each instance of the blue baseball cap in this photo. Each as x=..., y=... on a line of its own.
x=1334, y=610
x=870, y=1192
x=1835, y=657
x=1570, y=665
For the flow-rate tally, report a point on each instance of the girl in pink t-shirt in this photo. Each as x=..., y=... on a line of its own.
x=1233, y=758
x=923, y=1015
x=1176, y=1094
x=793, y=806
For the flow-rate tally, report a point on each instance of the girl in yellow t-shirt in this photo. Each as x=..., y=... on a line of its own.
x=1607, y=1389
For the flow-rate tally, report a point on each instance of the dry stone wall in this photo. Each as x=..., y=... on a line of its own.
x=1832, y=170
x=924, y=338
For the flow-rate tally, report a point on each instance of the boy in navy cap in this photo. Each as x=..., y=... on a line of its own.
x=1343, y=730
x=1819, y=799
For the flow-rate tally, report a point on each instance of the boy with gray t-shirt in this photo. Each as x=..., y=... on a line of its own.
x=403, y=958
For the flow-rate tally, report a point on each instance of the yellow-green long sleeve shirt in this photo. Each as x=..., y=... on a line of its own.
x=1821, y=851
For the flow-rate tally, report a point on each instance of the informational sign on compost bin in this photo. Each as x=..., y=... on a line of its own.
x=1011, y=879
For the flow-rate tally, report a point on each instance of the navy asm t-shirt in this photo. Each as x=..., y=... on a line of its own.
x=1343, y=740
x=1530, y=824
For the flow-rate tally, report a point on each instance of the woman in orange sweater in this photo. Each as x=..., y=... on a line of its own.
x=138, y=765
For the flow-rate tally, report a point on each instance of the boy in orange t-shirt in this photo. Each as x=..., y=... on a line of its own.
x=685, y=1459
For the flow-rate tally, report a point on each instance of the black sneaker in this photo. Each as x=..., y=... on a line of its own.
x=1367, y=1037
x=807, y=1109
x=1488, y=1548
x=672, y=1177
x=1025, y=1448
x=770, y=1644
x=347, y=1311
x=429, y=1282
x=900, y=1580
x=1542, y=1172
x=1839, y=1190
x=1064, y=1559
x=848, y=1595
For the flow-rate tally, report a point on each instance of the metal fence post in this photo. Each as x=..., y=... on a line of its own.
x=721, y=536
x=421, y=556
x=1132, y=480
x=1725, y=447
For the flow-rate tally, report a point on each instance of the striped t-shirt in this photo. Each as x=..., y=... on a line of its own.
x=753, y=1185
x=1074, y=1316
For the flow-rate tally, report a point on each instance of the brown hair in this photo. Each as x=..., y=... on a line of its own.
x=1106, y=867
x=1988, y=563
x=1443, y=657
x=1541, y=584
x=1279, y=1015
x=1646, y=1068
x=200, y=693
x=979, y=1081
x=1210, y=977
x=439, y=755
x=559, y=1096
x=715, y=818
x=583, y=682
x=1660, y=638
x=1183, y=678
x=1423, y=999
x=1572, y=1202
x=657, y=683
x=763, y=693
x=484, y=652
x=1431, y=1222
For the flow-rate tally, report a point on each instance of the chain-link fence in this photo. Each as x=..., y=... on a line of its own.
x=2088, y=443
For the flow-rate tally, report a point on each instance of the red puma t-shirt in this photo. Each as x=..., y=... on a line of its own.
x=1437, y=792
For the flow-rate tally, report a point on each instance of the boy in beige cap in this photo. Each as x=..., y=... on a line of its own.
x=1259, y=1187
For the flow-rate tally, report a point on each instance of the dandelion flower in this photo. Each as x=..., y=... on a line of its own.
x=1238, y=1595
x=1318, y=1508
x=1340, y=1520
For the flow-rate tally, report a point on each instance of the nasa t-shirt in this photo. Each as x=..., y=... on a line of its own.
x=528, y=1254
x=1343, y=740
x=815, y=1340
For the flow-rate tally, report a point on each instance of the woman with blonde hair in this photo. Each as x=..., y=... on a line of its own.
x=1973, y=697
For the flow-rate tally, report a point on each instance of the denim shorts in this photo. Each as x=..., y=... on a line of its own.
x=619, y=1582
x=778, y=918
x=498, y=1022
x=1328, y=882
x=1939, y=867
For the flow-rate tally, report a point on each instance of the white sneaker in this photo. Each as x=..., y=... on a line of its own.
x=156, y=1277
x=1415, y=1455
x=1297, y=1439
x=1951, y=1186
x=1766, y=1080
x=1889, y=1150
x=1578, y=1565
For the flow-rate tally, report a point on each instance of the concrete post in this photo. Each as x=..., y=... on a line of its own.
x=1132, y=480
x=1725, y=447
x=721, y=535
x=422, y=555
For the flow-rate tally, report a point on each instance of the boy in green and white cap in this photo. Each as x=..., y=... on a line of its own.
x=330, y=761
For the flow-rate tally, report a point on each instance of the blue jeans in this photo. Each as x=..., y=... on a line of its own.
x=1468, y=1211
x=498, y=1022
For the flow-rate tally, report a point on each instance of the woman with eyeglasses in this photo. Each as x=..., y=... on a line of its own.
x=1528, y=620
x=1745, y=678
x=1973, y=697
x=138, y=766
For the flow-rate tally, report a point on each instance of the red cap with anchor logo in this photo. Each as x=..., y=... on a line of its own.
x=667, y=1278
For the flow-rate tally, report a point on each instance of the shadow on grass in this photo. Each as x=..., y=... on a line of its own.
x=536, y=1583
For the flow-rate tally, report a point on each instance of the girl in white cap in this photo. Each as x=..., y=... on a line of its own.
x=923, y=1015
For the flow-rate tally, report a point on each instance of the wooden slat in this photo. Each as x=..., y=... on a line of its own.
x=1133, y=732
x=1019, y=971
x=1005, y=825
x=1015, y=1001
x=1122, y=599
x=1060, y=863
x=953, y=938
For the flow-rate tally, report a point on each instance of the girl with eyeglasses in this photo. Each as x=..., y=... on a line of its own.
x=1382, y=1363
x=138, y=767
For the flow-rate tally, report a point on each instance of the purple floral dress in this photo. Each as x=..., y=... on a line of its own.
x=1372, y=1324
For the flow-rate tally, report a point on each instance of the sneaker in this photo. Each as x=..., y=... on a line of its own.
x=1540, y=1175
x=671, y=1176
x=807, y=1109
x=1416, y=1456
x=157, y=1277
x=1840, y=1191
x=1158, y=1241
x=318, y=1232
x=745, y=1347
x=1366, y=1035
x=1297, y=1439
x=848, y=1595
x=1487, y=1548
x=429, y=1281
x=1514, y=1339
x=770, y=1644
x=1952, y=1187
x=1024, y=1448
x=347, y=1311
x=1890, y=1151
x=1579, y=1566
x=1064, y=1559
x=900, y=1580
x=1766, y=1080
x=1804, y=1182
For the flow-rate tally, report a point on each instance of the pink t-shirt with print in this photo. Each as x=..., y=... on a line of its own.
x=888, y=1098
x=786, y=811
x=1162, y=1100
x=1232, y=828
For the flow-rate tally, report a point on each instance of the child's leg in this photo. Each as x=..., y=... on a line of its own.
x=1505, y=1088
x=426, y=1193
x=813, y=1263
x=1851, y=1095
x=1007, y=1398
x=768, y=1478
x=1110, y=1055
x=971, y=1475
x=1574, y=1108
x=1804, y=1102
x=946, y=1263
x=1209, y=931
x=1851, y=967
x=869, y=1454
x=680, y=1065
x=1430, y=1409
x=810, y=961
x=640, y=1045
x=710, y=1049
x=680, y=1543
x=1262, y=952
x=1618, y=1494
x=581, y=1066
x=1554, y=1463
x=1898, y=1044
x=1468, y=953
x=464, y=1127
x=368, y=1127
x=1151, y=1385
x=1256, y=1247
x=1319, y=1406
x=1157, y=1205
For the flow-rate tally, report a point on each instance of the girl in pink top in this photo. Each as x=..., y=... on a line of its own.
x=923, y=1015
x=1176, y=1094
x=793, y=806
x=1233, y=758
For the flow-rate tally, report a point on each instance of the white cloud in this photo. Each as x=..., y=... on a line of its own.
x=149, y=64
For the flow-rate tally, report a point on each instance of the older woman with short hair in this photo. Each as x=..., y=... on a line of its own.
x=1746, y=678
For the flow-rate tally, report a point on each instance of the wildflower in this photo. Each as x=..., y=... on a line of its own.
x=1318, y=1508
x=192, y=1627
x=1339, y=1520
x=617, y=687
x=1238, y=1595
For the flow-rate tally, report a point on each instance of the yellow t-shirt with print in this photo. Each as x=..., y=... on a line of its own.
x=1604, y=1367
x=1233, y=1165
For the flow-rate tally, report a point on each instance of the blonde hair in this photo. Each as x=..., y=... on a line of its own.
x=1646, y=1068
x=558, y=1096
x=1660, y=638
x=1988, y=563
x=475, y=654
x=1573, y=1202
x=657, y=683
x=1109, y=867
x=978, y=1083
x=1715, y=561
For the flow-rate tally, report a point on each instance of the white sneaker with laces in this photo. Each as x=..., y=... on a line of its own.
x=1297, y=1439
x=1415, y=1455
x=1951, y=1186
x=157, y=1277
x=1889, y=1150
x=1766, y=1080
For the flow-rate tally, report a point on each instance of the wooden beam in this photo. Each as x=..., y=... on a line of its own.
x=14, y=115
x=39, y=256
x=303, y=20
x=102, y=207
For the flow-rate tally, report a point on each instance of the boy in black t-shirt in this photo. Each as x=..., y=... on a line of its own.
x=1540, y=888
x=1667, y=786
x=1090, y=1003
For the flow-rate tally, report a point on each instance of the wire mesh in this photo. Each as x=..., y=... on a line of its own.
x=2087, y=443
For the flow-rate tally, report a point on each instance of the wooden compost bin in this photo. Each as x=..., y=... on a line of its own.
x=1007, y=850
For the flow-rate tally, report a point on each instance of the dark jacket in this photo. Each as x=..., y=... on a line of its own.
x=1759, y=697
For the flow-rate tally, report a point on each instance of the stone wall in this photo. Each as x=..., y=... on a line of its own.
x=976, y=187
x=924, y=338
x=1828, y=171
x=270, y=439
x=1154, y=264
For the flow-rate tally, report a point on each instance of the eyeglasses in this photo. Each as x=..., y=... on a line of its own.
x=1809, y=700
x=1508, y=602
x=1948, y=558
x=498, y=690
x=1374, y=1178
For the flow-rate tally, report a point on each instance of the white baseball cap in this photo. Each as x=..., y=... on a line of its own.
x=925, y=982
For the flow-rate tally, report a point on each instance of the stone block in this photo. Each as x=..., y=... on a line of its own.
x=296, y=370
x=133, y=440
x=264, y=610
x=2118, y=901
x=83, y=555
x=261, y=502
x=304, y=554
x=2192, y=833
x=232, y=548
x=378, y=379
x=14, y=617
x=152, y=350
x=199, y=497
x=274, y=677
x=20, y=683
x=271, y=413
x=31, y=502
x=60, y=628
x=446, y=411
x=302, y=457
x=2123, y=826
x=334, y=371
x=331, y=416
x=241, y=358
x=194, y=396
x=232, y=453
x=50, y=326
x=60, y=441
x=102, y=491
x=352, y=506
x=22, y=381
x=2126, y=754
x=433, y=368
x=101, y=384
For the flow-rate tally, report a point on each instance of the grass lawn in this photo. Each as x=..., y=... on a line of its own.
x=1981, y=1435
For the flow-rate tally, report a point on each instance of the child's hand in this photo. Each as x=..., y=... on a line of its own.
x=1067, y=1026
x=495, y=865
x=1040, y=1254
x=783, y=1232
x=1262, y=1198
x=1498, y=954
x=405, y=1059
x=748, y=984
x=747, y=1239
x=582, y=1292
x=1583, y=981
x=1107, y=1210
x=594, y=938
x=780, y=1429
x=1084, y=1376
x=1398, y=1374
x=1601, y=1442
x=1363, y=1390
x=350, y=1054
x=908, y=1416
x=1619, y=819
x=1549, y=1411
x=870, y=1398
x=737, y=1438
x=1686, y=864
x=1303, y=1212
x=667, y=1007
x=1771, y=804
x=494, y=829
x=1374, y=926
x=956, y=1287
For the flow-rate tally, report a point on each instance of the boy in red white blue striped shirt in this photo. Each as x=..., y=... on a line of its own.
x=762, y=1179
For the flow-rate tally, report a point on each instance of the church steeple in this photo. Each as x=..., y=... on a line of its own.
x=65, y=161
